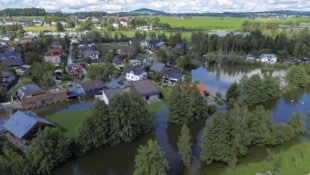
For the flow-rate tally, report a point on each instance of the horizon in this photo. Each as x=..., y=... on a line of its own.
x=181, y=6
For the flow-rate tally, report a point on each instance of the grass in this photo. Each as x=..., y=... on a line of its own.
x=204, y=22
x=70, y=122
x=154, y=107
x=40, y=28
x=294, y=160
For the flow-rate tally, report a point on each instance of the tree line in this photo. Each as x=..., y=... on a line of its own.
x=228, y=135
x=253, y=42
x=23, y=12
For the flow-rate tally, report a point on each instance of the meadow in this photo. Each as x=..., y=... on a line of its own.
x=38, y=29
x=204, y=22
x=293, y=160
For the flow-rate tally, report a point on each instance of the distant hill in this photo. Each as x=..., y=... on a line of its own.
x=146, y=11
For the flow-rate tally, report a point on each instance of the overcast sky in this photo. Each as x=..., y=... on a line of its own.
x=173, y=6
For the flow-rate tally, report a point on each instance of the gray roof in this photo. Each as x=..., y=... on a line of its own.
x=145, y=87
x=172, y=74
x=135, y=70
x=157, y=67
x=27, y=89
x=112, y=92
x=20, y=123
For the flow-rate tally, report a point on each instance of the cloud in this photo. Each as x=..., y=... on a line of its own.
x=174, y=6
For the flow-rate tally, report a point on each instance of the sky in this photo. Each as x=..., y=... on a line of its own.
x=172, y=6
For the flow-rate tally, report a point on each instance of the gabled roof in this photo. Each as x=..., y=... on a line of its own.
x=112, y=92
x=172, y=74
x=116, y=60
x=20, y=123
x=135, y=70
x=157, y=67
x=145, y=87
x=92, y=85
x=24, y=90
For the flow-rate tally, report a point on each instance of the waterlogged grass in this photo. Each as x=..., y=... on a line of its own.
x=70, y=122
x=154, y=107
x=294, y=160
x=40, y=28
x=204, y=22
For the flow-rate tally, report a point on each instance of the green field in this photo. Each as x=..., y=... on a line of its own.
x=27, y=17
x=70, y=122
x=292, y=161
x=204, y=22
x=40, y=28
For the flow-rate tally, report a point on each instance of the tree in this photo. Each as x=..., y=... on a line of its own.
x=297, y=76
x=31, y=57
x=20, y=166
x=261, y=127
x=222, y=140
x=257, y=89
x=4, y=165
x=42, y=73
x=186, y=104
x=48, y=150
x=129, y=117
x=3, y=96
x=59, y=27
x=151, y=160
x=95, y=132
x=184, y=146
x=232, y=94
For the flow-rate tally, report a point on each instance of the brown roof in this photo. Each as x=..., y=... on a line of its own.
x=112, y=92
x=145, y=87
x=92, y=85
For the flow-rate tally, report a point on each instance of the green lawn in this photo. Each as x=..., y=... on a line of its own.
x=293, y=161
x=40, y=28
x=154, y=107
x=204, y=22
x=70, y=122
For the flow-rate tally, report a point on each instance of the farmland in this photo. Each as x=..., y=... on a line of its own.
x=204, y=22
x=40, y=28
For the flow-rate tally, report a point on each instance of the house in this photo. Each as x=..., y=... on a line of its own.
x=117, y=62
x=12, y=59
x=170, y=77
x=128, y=52
x=135, y=74
x=24, y=22
x=23, y=126
x=74, y=69
x=157, y=67
x=135, y=62
x=156, y=44
x=115, y=25
x=32, y=96
x=250, y=57
x=88, y=52
x=91, y=87
x=7, y=79
x=26, y=39
x=52, y=57
x=108, y=94
x=147, y=90
x=268, y=58
x=37, y=22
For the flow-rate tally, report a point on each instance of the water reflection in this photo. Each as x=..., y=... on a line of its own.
x=218, y=78
x=120, y=159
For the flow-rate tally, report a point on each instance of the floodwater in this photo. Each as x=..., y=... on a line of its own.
x=120, y=159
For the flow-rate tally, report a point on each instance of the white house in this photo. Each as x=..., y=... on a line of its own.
x=108, y=94
x=135, y=74
x=268, y=58
x=250, y=57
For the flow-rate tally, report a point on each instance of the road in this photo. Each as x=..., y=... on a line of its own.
x=69, y=59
